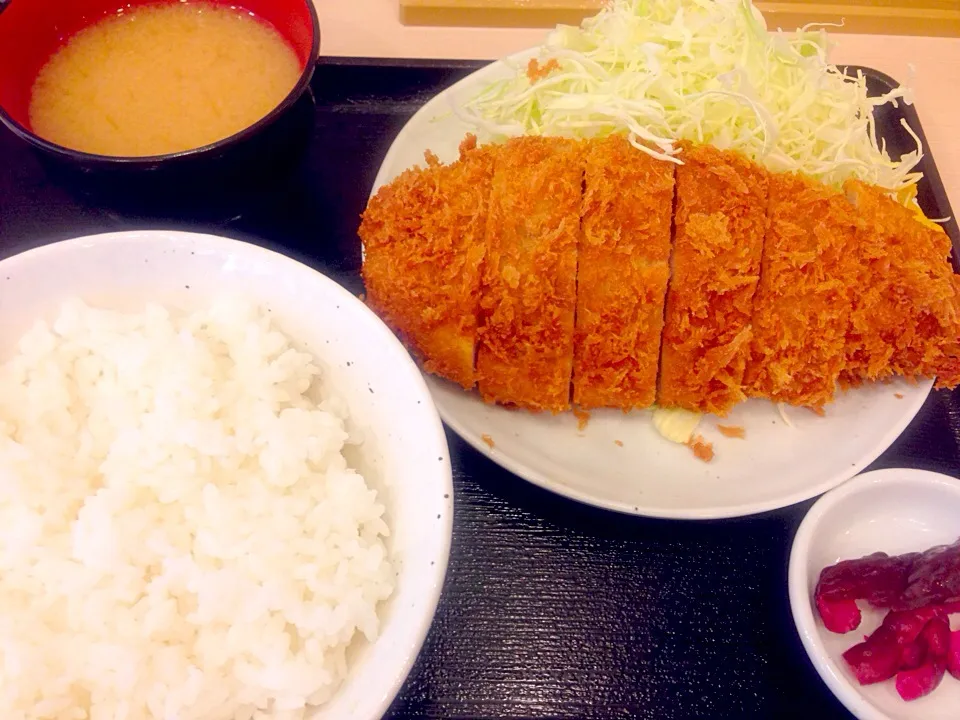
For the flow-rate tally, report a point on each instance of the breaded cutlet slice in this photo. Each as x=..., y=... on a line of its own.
x=528, y=301
x=905, y=318
x=719, y=224
x=423, y=237
x=622, y=275
x=802, y=306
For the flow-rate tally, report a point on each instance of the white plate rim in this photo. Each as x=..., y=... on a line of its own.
x=716, y=513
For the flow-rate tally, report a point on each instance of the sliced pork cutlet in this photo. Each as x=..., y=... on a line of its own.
x=528, y=300
x=622, y=275
x=423, y=237
x=802, y=306
x=719, y=225
x=905, y=318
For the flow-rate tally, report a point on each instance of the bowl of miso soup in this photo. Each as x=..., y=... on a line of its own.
x=145, y=86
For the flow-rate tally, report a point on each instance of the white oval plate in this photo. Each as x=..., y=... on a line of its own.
x=893, y=511
x=775, y=466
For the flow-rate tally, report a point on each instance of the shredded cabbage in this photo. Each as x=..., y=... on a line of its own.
x=675, y=424
x=702, y=70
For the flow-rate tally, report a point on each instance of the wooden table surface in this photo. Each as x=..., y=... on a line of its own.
x=372, y=28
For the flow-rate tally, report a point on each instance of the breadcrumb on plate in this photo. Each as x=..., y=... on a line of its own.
x=702, y=450
x=488, y=440
x=733, y=431
x=583, y=418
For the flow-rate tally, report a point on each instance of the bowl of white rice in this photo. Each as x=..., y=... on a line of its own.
x=225, y=493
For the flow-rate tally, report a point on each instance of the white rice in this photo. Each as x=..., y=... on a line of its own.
x=180, y=534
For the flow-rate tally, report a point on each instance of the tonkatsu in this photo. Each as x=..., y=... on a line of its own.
x=550, y=273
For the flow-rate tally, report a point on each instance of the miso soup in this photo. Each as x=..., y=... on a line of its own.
x=160, y=79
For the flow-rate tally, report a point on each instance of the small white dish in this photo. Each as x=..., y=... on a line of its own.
x=893, y=511
x=404, y=453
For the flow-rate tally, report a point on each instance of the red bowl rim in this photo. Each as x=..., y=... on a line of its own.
x=78, y=155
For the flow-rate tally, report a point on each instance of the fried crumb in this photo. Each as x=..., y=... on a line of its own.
x=898, y=396
x=468, y=144
x=618, y=443
x=702, y=450
x=488, y=440
x=732, y=431
x=536, y=71
x=819, y=411
x=583, y=417
x=431, y=157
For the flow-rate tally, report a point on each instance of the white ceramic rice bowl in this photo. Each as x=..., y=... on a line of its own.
x=404, y=454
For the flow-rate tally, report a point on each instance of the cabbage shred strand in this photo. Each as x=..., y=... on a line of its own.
x=702, y=70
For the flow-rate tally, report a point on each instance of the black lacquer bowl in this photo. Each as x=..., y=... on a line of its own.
x=215, y=179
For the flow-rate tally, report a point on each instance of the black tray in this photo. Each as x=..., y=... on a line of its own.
x=551, y=609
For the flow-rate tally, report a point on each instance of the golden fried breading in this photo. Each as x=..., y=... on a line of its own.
x=775, y=287
x=423, y=237
x=718, y=241
x=802, y=306
x=529, y=291
x=622, y=275
x=905, y=317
